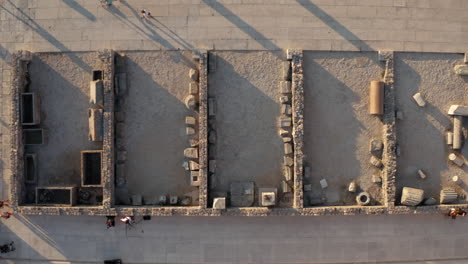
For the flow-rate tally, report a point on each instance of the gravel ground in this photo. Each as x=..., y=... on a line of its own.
x=338, y=126
x=421, y=134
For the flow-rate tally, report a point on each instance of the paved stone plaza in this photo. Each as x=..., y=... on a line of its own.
x=340, y=40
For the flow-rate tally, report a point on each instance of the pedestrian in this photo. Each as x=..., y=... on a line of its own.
x=106, y=3
x=110, y=222
x=461, y=212
x=4, y=203
x=145, y=14
x=128, y=220
x=7, y=247
x=6, y=215
x=453, y=213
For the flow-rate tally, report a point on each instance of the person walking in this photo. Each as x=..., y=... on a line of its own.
x=110, y=222
x=145, y=14
x=6, y=215
x=4, y=203
x=128, y=220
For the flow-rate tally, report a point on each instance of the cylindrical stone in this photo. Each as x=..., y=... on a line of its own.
x=455, y=159
x=449, y=138
x=457, y=132
x=376, y=98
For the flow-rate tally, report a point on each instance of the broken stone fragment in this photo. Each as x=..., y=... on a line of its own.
x=186, y=201
x=461, y=69
x=288, y=148
x=286, y=65
x=219, y=203
x=376, y=162
x=191, y=153
x=268, y=198
x=288, y=173
x=283, y=99
x=449, y=138
x=283, y=132
x=285, y=187
x=397, y=150
x=376, y=146
x=411, y=196
x=458, y=110
x=185, y=165
x=288, y=161
x=212, y=137
x=285, y=87
x=190, y=120
x=194, y=165
x=285, y=122
x=421, y=174
x=191, y=102
x=448, y=195
x=286, y=109
x=455, y=159
x=376, y=178
x=430, y=201
x=286, y=139
x=352, y=186
x=323, y=183
x=189, y=131
x=173, y=200
x=419, y=100
x=193, y=88
x=193, y=142
x=193, y=74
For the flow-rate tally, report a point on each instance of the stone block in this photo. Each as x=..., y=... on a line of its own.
x=121, y=155
x=456, y=159
x=449, y=138
x=307, y=187
x=465, y=59
x=376, y=146
x=376, y=178
x=242, y=194
x=376, y=162
x=212, y=166
x=285, y=122
x=193, y=74
x=193, y=142
x=286, y=109
x=285, y=87
x=458, y=110
x=219, y=203
x=137, y=200
x=411, y=196
x=191, y=153
x=268, y=199
x=288, y=149
x=381, y=56
x=283, y=132
x=189, y=131
x=194, y=166
x=96, y=92
x=96, y=125
x=162, y=200
x=193, y=88
x=422, y=175
x=288, y=161
x=461, y=69
x=286, y=70
x=456, y=179
x=211, y=107
x=186, y=165
x=283, y=99
x=173, y=200
x=195, y=178
x=288, y=173
x=352, y=187
x=323, y=183
x=191, y=102
x=448, y=195
x=430, y=201
x=419, y=100
x=186, y=201
x=287, y=139
x=190, y=120
x=457, y=132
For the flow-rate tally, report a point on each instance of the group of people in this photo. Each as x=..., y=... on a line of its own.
x=144, y=14
x=454, y=212
x=6, y=248
x=5, y=215
x=127, y=220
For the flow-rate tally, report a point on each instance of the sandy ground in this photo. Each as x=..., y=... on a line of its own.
x=421, y=134
x=154, y=133
x=337, y=124
x=248, y=148
x=62, y=82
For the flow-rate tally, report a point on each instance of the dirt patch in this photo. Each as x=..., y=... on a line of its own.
x=338, y=127
x=248, y=147
x=421, y=133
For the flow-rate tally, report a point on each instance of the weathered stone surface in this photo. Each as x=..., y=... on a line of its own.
x=195, y=178
x=194, y=165
x=376, y=146
x=458, y=110
x=285, y=188
x=268, y=199
x=189, y=131
x=242, y=194
x=449, y=138
x=411, y=196
x=137, y=200
x=376, y=162
x=219, y=203
x=96, y=125
x=285, y=87
x=352, y=187
x=288, y=173
x=286, y=70
x=96, y=92
x=419, y=100
x=283, y=132
x=461, y=69
x=288, y=161
x=430, y=201
x=288, y=148
x=448, y=195
x=283, y=99
x=193, y=74
x=191, y=102
x=376, y=178
x=287, y=139
x=456, y=159
x=363, y=198
x=286, y=109
x=323, y=183
x=190, y=120
x=193, y=88
x=193, y=142
x=285, y=122
x=191, y=153
x=422, y=175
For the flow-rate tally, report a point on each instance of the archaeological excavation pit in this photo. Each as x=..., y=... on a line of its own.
x=339, y=130
x=156, y=123
x=423, y=128
x=246, y=150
